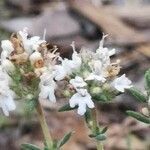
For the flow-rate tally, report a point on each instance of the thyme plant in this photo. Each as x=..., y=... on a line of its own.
x=27, y=73
x=93, y=78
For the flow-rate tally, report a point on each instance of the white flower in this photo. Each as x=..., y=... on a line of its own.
x=75, y=58
x=73, y=64
x=103, y=53
x=93, y=76
x=121, y=83
x=47, y=87
x=78, y=82
x=82, y=99
x=97, y=71
x=59, y=72
x=30, y=44
x=8, y=65
x=35, y=57
x=7, y=103
x=7, y=48
x=6, y=95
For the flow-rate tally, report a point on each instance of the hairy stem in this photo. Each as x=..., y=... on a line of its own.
x=99, y=145
x=44, y=126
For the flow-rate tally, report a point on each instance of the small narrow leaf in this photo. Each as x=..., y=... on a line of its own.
x=87, y=116
x=104, y=130
x=147, y=79
x=64, y=139
x=92, y=135
x=29, y=147
x=138, y=95
x=138, y=116
x=66, y=108
x=100, y=137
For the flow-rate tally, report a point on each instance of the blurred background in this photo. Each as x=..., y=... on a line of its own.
x=127, y=22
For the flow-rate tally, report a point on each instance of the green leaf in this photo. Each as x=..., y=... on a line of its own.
x=87, y=116
x=138, y=116
x=138, y=95
x=106, y=96
x=104, y=130
x=147, y=79
x=29, y=147
x=92, y=135
x=64, y=139
x=100, y=137
x=30, y=104
x=66, y=108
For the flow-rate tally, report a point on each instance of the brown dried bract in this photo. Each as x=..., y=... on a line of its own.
x=29, y=76
x=17, y=43
x=113, y=70
x=19, y=58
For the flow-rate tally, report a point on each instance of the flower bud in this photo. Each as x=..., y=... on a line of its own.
x=29, y=97
x=66, y=93
x=145, y=111
x=95, y=90
x=106, y=86
x=36, y=57
x=86, y=73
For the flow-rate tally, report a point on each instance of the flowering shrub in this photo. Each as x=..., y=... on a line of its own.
x=30, y=71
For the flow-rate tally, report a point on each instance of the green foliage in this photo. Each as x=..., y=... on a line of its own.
x=138, y=116
x=29, y=147
x=100, y=137
x=147, y=79
x=138, y=95
x=66, y=108
x=64, y=140
x=53, y=147
x=88, y=117
x=30, y=105
x=106, y=96
x=4, y=122
x=104, y=130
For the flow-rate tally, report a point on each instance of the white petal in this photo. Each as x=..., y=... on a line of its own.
x=7, y=104
x=44, y=92
x=82, y=102
x=59, y=72
x=121, y=83
x=74, y=100
x=112, y=52
x=52, y=97
x=7, y=46
x=8, y=65
x=81, y=109
x=78, y=82
x=35, y=57
x=47, y=87
x=95, y=77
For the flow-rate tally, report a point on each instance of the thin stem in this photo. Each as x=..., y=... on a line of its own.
x=44, y=126
x=99, y=145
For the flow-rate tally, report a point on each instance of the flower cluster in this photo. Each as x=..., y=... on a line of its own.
x=27, y=70
x=95, y=78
